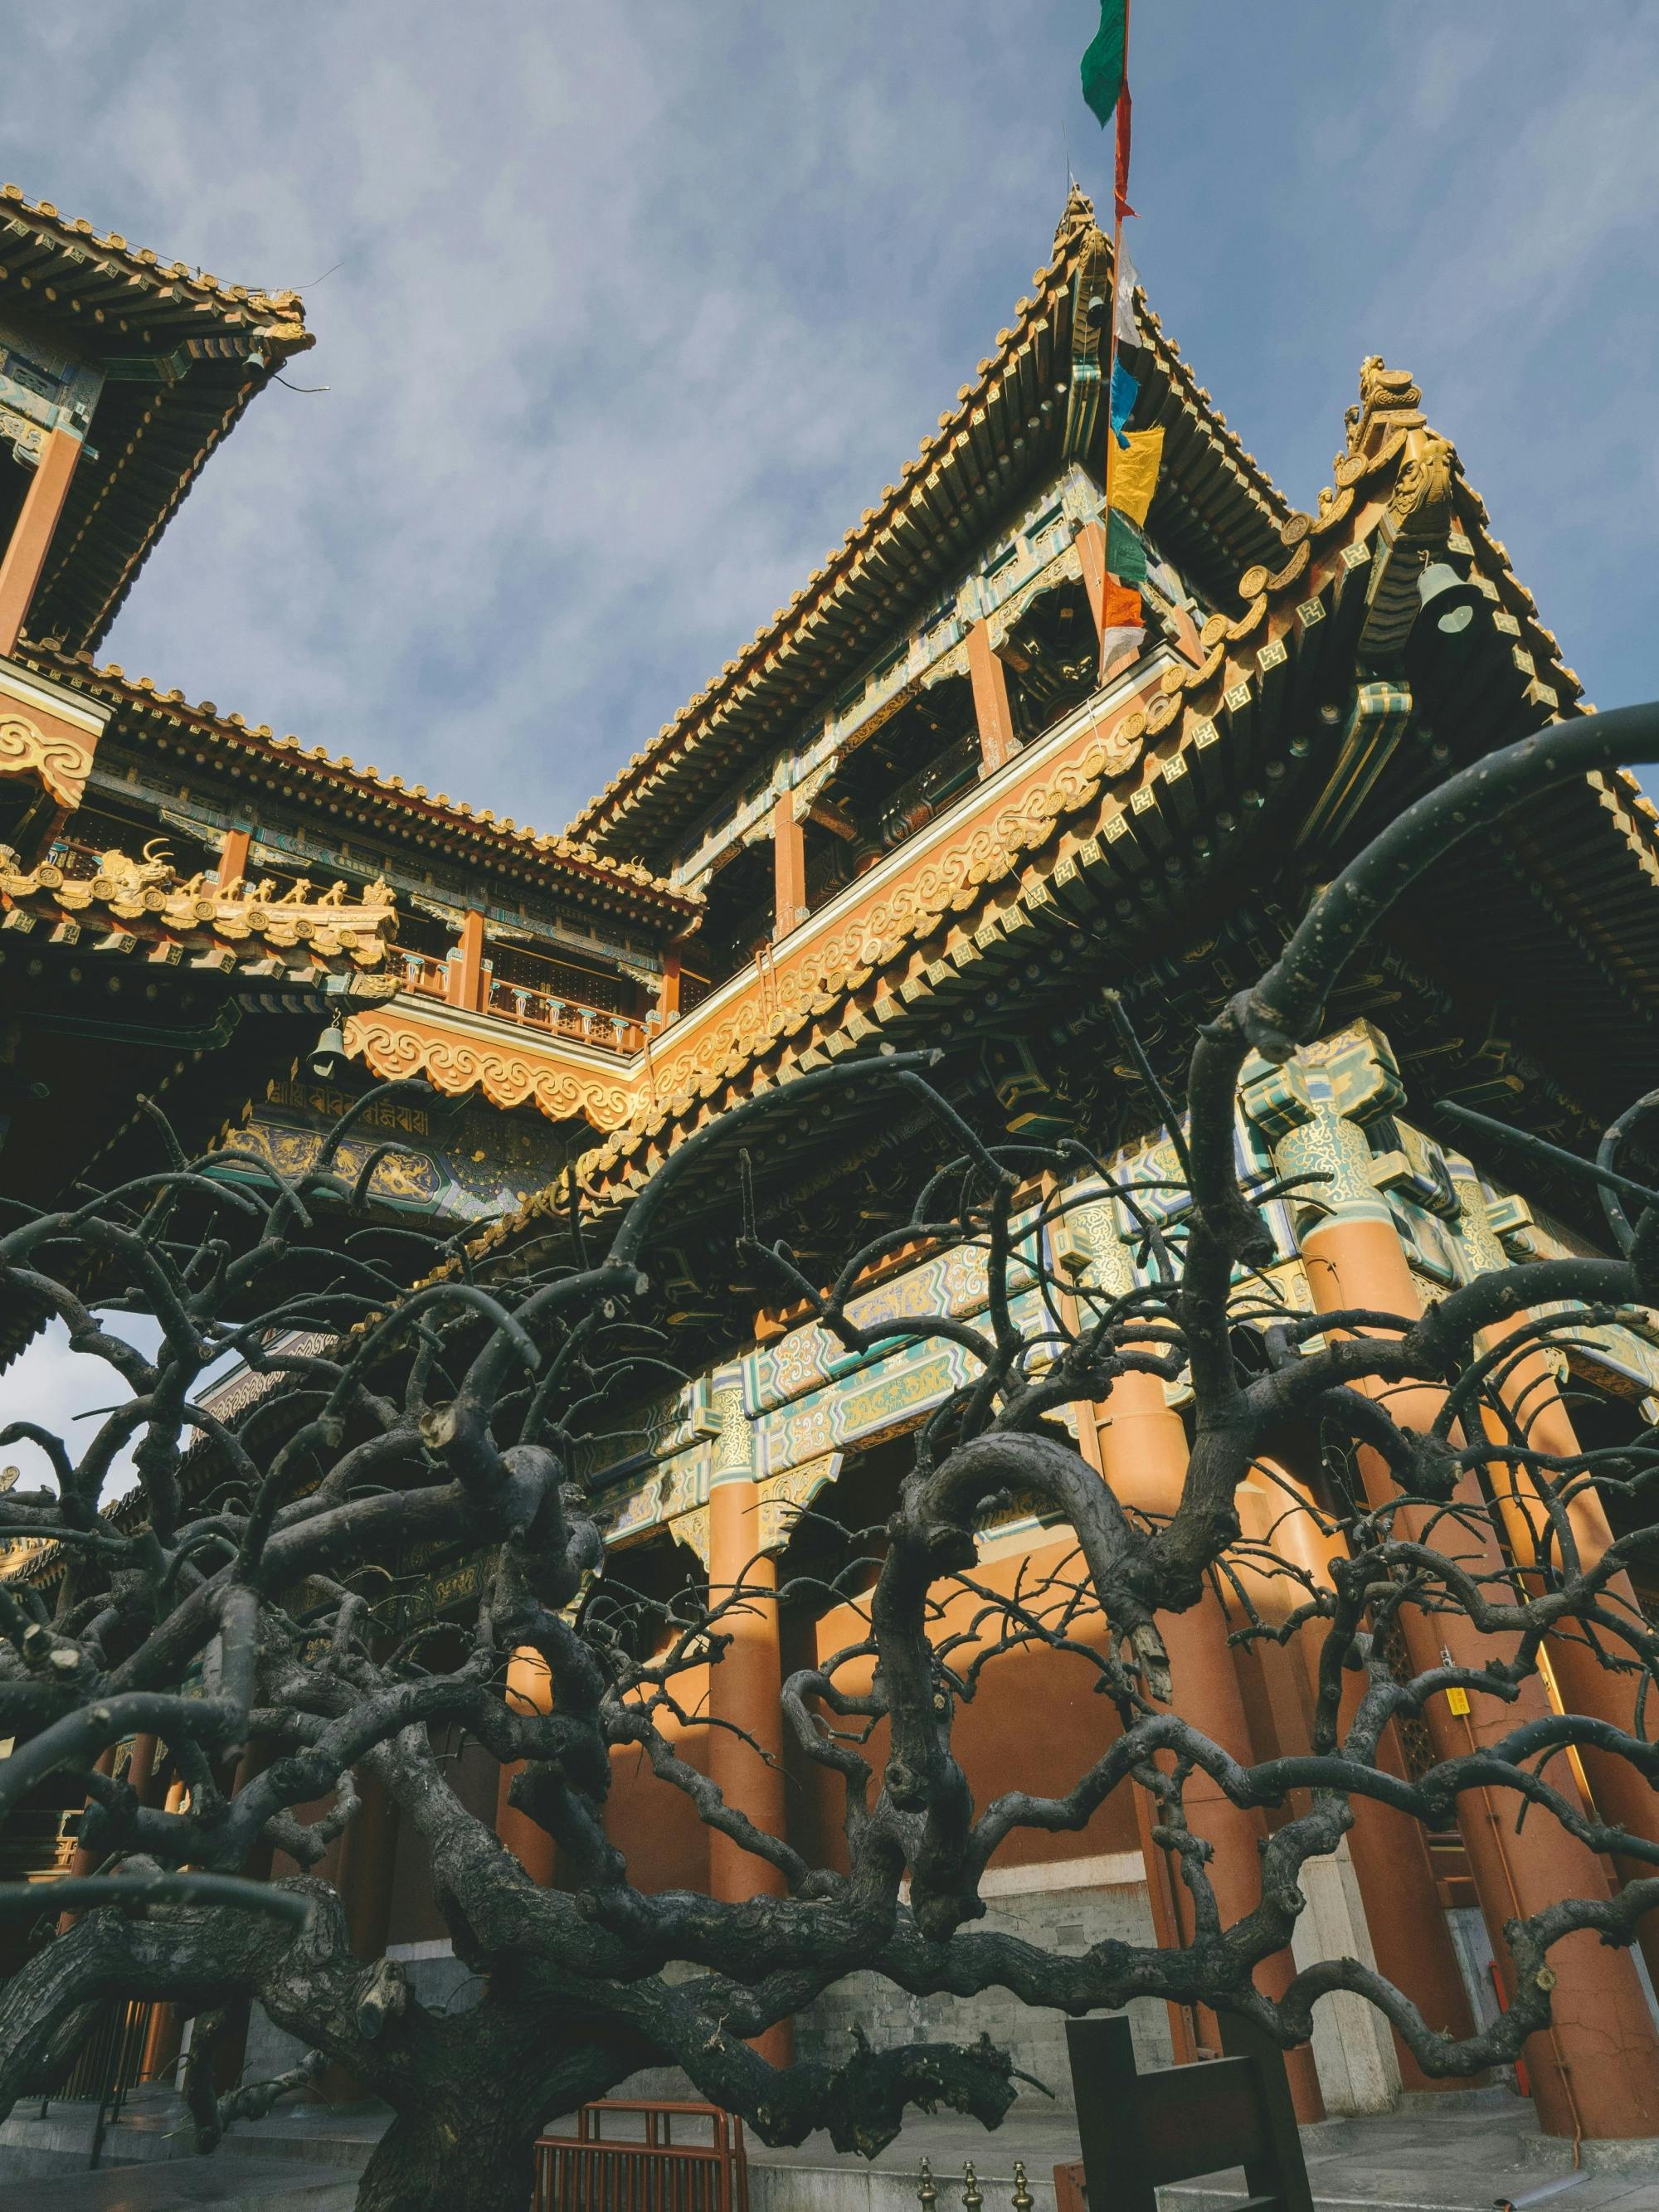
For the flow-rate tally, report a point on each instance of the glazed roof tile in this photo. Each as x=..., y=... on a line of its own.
x=140, y=694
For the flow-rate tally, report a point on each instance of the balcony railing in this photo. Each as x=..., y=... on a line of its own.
x=423, y=972
x=430, y=978
x=540, y=1010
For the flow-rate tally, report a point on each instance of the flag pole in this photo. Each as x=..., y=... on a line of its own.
x=1111, y=341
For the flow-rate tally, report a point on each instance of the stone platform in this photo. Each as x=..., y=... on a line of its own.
x=1454, y=2154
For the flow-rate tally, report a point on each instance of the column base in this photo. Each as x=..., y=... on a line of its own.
x=1637, y=2154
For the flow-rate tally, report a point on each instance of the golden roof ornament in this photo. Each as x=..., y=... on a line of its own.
x=1079, y=216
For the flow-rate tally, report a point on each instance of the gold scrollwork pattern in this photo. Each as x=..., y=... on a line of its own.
x=61, y=763
x=393, y=1045
x=915, y=907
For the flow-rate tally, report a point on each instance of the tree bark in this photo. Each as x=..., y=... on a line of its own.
x=461, y=2151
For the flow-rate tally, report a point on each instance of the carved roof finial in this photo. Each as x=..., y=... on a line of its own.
x=1079, y=215
x=1388, y=400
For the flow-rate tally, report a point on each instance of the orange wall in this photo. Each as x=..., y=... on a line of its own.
x=1033, y=1723
x=654, y=1825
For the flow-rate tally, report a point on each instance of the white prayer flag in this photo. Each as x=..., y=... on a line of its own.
x=1123, y=313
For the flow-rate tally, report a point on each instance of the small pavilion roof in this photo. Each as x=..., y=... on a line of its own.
x=1012, y=428
x=182, y=354
x=286, y=765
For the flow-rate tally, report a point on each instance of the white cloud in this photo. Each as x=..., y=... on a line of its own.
x=62, y=1391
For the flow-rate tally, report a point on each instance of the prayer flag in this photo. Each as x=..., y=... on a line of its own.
x=1120, y=181
x=1103, y=60
x=1125, y=551
x=1122, y=624
x=1135, y=465
x=1123, y=308
x=1125, y=390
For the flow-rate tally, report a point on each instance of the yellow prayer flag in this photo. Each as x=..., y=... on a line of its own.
x=1134, y=473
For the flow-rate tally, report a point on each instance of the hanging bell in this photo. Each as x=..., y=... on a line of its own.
x=328, y=1058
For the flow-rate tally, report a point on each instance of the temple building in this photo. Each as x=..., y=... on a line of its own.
x=936, y=801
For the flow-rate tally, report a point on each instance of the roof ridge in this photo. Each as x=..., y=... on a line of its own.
x=286, y=307
x=142, y=692
x=1075, y=237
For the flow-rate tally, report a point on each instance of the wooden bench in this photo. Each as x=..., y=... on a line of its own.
x=1142, y=2130
x=657, y=2157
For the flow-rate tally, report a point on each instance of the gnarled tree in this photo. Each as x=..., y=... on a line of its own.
x=238, y=1618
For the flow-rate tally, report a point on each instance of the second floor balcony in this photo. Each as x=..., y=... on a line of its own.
x=534, y=992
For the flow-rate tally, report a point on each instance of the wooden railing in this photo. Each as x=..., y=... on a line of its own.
x=641, y=2167
x=423, y=972
x=567, y=1018
x=428, y=977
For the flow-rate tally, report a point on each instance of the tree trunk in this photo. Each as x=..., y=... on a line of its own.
x=459, y=2153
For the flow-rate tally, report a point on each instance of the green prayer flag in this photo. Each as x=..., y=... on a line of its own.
x=1102, y=63
x=1125, y=551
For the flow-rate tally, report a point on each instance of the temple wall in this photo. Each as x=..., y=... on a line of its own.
x=1066, y=1906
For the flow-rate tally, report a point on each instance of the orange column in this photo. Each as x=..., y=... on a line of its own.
x=466, y=964
x=1596, y=2071
x=529, y=1690
x=668, y=991
x=1143, y=1455
x=31, y=539
x=232, y=857
x=83, y=1862
x=142, y=1765
x=163, y=2039
x=368, y=1859
x=745, y=1689
x=789, y=865
x=1407, y=1928
x=996, y=741
x=1622, y=1798
x=1091, y=552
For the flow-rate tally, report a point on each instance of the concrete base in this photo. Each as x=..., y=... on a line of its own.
x=1637, y=2156
x=153, y=2128
x=1458, y=2153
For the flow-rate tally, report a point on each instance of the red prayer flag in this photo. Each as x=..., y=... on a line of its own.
x=1124, y=108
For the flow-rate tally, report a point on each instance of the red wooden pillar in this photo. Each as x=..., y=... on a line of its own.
x=83, y=1862
x=668, y=991
x=466, y=964
x=1142, y=1453
x=1403, y=1915
x=165, y=2029
x=1091, y=552
x=1596, y=2071
x=529, y=1690
x=1623, y=1798
x=992, y=712
x=789, y=865
x=745, y=1689
x=232, y=857
x=31, y=539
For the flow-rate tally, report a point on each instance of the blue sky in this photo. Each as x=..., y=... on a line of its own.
x=629, y=311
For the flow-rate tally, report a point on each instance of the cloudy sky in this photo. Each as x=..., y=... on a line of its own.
x=625, y=312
